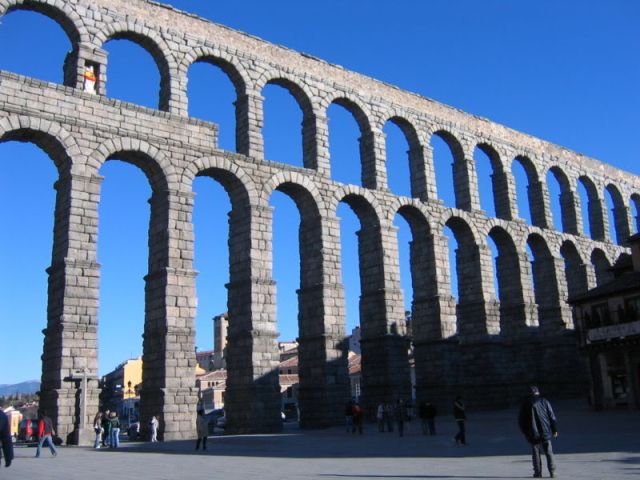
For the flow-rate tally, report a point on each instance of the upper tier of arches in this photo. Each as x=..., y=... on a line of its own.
x=89, y=27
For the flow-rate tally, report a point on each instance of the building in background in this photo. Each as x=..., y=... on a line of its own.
x=220, y=326
x=608, y=320
x=120, y=389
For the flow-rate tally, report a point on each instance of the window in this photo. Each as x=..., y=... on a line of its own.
x=600, y=315
x=631, y=308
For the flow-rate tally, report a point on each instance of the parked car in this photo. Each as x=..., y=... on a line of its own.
x=212, y=418
x=133, y=432
x=28, y=430
x=221, y=422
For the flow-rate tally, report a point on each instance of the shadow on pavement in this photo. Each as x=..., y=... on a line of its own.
x=489, y=434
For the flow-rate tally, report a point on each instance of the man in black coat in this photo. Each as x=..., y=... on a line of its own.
x=538, y=424
x=5, y=438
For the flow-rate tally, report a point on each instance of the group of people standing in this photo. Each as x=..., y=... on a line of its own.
x=106, y=425
x=388, y=414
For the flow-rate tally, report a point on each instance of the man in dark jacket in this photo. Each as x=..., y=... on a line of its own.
x=538, y=424
x=5, y=438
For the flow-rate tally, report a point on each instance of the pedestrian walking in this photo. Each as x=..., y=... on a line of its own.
x=348, y=414
x=538, y=424
x=400, y=413
x=97, y=428
x=460, y=416
x=115, y=430
x=153, y=425
x=430, y=417
x=358, y=418
x=389, y=416
x=380, y=417
x=202, y=430
x=5, y=438
x=45, y=434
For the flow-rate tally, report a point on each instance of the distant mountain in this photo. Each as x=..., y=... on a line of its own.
x=30, y=386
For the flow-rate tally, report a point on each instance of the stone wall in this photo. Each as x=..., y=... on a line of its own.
x=482, y=346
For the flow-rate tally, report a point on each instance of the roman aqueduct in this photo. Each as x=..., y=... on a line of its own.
x=478, y=344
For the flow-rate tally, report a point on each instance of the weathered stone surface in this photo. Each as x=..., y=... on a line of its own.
x=478, y=347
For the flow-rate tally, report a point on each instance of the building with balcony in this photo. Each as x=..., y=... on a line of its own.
x=608, y=320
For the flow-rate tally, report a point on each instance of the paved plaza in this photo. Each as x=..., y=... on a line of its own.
x=591, y=445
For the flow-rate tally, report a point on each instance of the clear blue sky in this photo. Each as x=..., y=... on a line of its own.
x=565, y=71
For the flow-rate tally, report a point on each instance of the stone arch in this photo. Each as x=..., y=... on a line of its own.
x=367, y=145
x=67, y=18
x=425, y=314
x=620, y=214
x=227, y=63
x=238, y=184
x=322, y=363
x=594, y=206
x=574, y=269
x=235, y=72
x=461, y=185
x=303, y=99
x=499, y=182
x=417, y=171
x=371, y=260
x=151, y=160
x=154, y=44
x=545, y=283
x=471, y=313
x=535, y=192
x=568, y=209
x=296, y=183
x=601, y=266
x=509, y=275
x=53, y=139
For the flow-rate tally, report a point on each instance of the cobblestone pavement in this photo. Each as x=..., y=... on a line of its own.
x=591, y=445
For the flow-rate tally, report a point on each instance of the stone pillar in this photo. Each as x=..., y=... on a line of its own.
x=621, y=219
x=324, y=386
x=421, y=173
x=559, y=317
x=571, y=217
x=178, y=101
x=70, y=338
x=373, y=155
x=385, y=364
x=477, y=310
x=311, y=136
x=249, y=123
x=316, y=146
x=598, y=220
x=489, y=294
x=433, y=314
x=465, y=184
x=539, y=204
x=168, y=384
x=429, y=172
x=252, y=399
x=504, y=194
x=518, y=309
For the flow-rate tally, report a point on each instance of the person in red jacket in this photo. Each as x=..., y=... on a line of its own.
x=45, y=433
